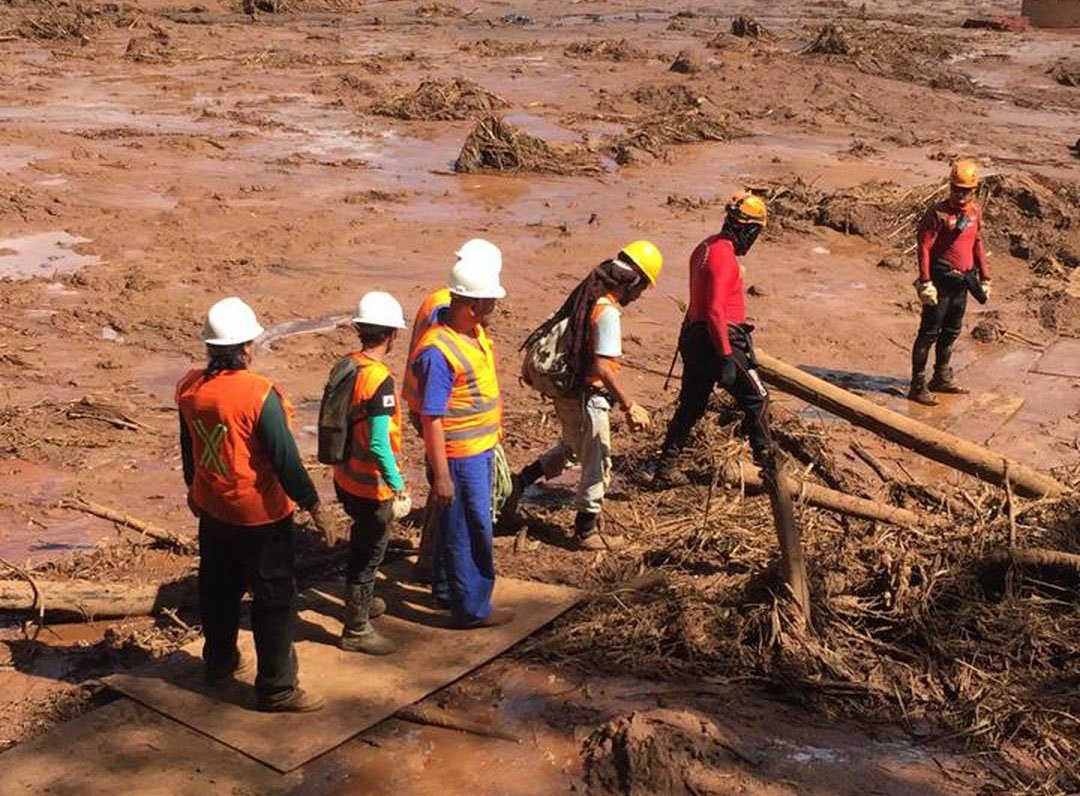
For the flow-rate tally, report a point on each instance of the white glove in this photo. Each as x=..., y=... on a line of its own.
x=927, y=293
x=402, y=506
x=985, y=285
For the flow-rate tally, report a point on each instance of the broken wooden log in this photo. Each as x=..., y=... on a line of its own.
x=180, y=544
x=919, y=437
x=91, y=599
x=788, y=534
x=1052, y=566
x=832, y=499
x=436, y=717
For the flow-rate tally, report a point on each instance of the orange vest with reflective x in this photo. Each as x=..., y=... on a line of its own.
x=360, y=474
x=601, y=304
x=234, y=479
x=473, y=420
x=425, y=318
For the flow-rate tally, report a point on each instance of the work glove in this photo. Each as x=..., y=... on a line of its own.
x=325, y=523
x=638, y=417
x=927, y=293
x=985, y=285
x=402, y=505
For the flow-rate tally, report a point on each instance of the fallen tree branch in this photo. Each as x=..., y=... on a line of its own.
x=89, y=599
x=180, y=544
x=919, y=437
x=435, y=717
x=1052, y=565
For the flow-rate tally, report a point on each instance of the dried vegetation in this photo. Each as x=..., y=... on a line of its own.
x=441, y=100
x=496, y=145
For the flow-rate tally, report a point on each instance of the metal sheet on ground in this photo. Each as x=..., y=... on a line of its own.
x=1060, y=359
x=125, y=747
x=360, y=690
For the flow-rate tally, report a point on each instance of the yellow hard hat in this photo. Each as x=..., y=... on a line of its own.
x=964, y=174
x=646, y=257
x=748, y=208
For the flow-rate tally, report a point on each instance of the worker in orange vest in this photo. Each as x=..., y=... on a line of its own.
x=431, y=309
x=461, y=417
x=244, y=473
x=594, y=348
x=368, y=483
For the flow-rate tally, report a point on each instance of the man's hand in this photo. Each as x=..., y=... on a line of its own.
x=325, y=523
x=402, y=505
x=443, y=490
x=985, y=285
x=638, y=417
x=927, y=293
x=192, y=505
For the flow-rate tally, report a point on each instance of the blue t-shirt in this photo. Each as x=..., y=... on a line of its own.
x=436, y=379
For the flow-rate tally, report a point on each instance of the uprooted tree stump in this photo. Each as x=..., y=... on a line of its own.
x=496, y=145
x=830, y=40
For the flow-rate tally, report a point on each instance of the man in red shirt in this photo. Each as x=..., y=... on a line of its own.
x=715, y=340
x=950, y=248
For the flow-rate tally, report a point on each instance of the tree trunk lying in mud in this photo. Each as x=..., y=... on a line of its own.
x=831, y=499
x=1048, y=565
x=919, y=437
x=92, y=599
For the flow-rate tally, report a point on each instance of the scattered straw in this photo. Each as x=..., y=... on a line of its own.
x=441, y=100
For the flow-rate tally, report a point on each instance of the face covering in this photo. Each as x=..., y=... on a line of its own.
x=742, y=235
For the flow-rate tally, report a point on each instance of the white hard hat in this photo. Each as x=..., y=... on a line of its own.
x=230, y=322
x=481, y=250
x=379, y=309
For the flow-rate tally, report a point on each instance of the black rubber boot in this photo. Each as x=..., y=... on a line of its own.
x=918, y=392
x=943, y=382
x=358, y=634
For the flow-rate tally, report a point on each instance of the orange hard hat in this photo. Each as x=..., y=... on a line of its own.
x=748, y=208
x=964, y=174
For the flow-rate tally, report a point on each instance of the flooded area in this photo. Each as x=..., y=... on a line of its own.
x=44, y=254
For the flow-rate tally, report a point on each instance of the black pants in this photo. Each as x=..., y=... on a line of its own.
x=368, y=537
x=233, y=559
x=941, y=325
x=704, y=368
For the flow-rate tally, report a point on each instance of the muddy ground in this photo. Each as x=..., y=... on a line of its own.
x=158, y=156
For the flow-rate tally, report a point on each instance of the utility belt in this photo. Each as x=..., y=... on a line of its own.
x=944, y=276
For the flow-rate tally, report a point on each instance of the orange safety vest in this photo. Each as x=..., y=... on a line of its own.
x=424, y=319
x=360, y=474
x=234, y=479
x=601, y=304
x=473, y=420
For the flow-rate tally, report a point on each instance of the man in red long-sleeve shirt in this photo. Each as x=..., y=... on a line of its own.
x=715, y=340
x=950, y=249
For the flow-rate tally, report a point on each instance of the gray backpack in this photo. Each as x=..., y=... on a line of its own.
x=544, y=367
x=335, y=419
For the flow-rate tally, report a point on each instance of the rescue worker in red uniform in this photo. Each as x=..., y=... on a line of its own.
x=950, y=249
x=244, y=473
x=715, y=341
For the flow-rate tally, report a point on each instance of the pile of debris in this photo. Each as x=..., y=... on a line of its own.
x=932, y=627
x=1066, y=71
x=606, y=50
x=441, y=100
x=496, y=145
x=651, y=136
x=153, y=48
x=830, y=40
x=489, y=48
x=668, y=97
x=59, y=22
x=749, y=28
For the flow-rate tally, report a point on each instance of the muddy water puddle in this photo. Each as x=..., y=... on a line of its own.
x=42, y=254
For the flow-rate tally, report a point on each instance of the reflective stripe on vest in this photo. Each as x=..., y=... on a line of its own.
x=234, y=480
x=473, y=420
x=361, y=475
x=410, y=389
x=601, y=304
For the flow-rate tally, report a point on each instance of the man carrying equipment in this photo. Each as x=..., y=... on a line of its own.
x=243, y=473
x=593, y=347
x=461, y=418
x=369, y=483
x=950, y=249
x=715, y=341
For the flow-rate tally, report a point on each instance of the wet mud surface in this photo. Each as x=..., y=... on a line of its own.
x=156, y=157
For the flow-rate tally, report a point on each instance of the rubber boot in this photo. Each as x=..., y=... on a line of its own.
x=667, y=474
x=358, y=634
x=943, y=382
x=918, y=392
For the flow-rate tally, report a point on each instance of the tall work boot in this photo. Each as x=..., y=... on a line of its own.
x=358, y=634
x=667, y=474
x=943, y=382
x=527, y=477
x=920, y=353
x=918, y=392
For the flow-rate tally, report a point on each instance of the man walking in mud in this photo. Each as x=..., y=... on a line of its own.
x=243, y=472
x=593, y=349
x=715, y=341
x=952, y=263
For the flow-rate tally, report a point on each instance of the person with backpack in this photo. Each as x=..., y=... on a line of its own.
x=360, y=403
x=573, y=358
x=243, y=473
x=461, y=418
x=952, y=263
x=715, y=341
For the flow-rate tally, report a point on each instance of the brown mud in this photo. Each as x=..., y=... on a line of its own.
x=154, y=157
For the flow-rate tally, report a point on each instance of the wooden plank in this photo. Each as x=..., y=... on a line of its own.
x=360, y=690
